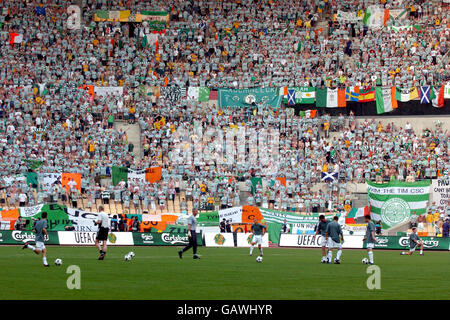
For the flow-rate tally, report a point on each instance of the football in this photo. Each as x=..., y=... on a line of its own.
x=259, y=259
x=131, y=254
x=127, y=257
x=58, y=262
x=365, y=261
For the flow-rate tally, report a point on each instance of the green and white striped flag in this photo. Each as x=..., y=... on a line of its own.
x=395, y=201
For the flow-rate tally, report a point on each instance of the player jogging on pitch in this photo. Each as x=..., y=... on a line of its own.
x=258, y=231
x=334, y=237
x=321, y=229
x=414, y=241
x=40, y=228
x=192, y=235
x=369, y=238
x=102, y=234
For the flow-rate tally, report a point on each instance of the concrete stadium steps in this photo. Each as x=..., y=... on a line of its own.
x=133, y=132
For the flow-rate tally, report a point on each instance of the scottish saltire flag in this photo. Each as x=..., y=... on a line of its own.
x=329, y=177
x=40, y=11
x=291, y=97
x=425, y=94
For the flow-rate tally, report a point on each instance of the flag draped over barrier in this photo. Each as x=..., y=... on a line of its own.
x=395, y=201
x=151, y=175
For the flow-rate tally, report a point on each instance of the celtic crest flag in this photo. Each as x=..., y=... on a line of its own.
x=394, y=202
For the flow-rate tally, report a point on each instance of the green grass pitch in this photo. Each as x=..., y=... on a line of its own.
x=221, y=273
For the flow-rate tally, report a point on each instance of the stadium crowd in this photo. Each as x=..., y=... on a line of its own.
x=46, y=113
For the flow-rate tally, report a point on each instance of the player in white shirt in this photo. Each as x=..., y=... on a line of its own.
x=102, y=234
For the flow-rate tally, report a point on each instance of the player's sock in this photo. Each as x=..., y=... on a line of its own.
x=324, y=258
x=32, y=248
x=370, y=256
x=101, y=251
x=261, y=252
x=251, y=249
x=330, y=256
x=338, y=255
x=44, y=260
x=421, y=251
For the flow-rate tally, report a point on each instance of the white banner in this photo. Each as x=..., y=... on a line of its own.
x=244, y=240
x=4, y=225
x=9, y=180
x=219, y=239
x=28, y=212
x=76, y=238
x=343, y=16
x=233, y=214
x=48, y=179
x=82, y=220
x=102, y=91
x=303, y=228
x=441, y=191
x=309, y=241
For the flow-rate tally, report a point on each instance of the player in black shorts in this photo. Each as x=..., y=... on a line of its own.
x=102, y=234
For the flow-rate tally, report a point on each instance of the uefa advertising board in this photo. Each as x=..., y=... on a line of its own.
x=77, y=238
x=163, y=239
x=311, y=241
x=20, y=237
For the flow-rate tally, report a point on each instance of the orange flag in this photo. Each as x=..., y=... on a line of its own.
x=249, y=213
x=67, y=176
x=153, y=175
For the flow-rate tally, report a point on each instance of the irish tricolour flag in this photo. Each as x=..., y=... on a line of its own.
x=395, y=201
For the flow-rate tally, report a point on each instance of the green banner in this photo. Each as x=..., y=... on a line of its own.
x=119, y=173
x=163, y=239
x=255, y=181
x=249, y=98
x=32, y=178
x=57, y=218
x=274, y=231
x=20, y=237
x=395, y=242
x=208, y=219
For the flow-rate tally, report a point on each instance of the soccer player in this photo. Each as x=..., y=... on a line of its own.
x=414, y=241
x=369, y=238
x=40, y=228
x=102, y=234
x=192, y=235
x=258, y=231
x=334, y=237
x=322, y=228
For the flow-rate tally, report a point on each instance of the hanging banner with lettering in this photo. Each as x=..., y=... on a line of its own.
x=82, y=220
x=441, y=191
x=395, y=201
x=250, y=98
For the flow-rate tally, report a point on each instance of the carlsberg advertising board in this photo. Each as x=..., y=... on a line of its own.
x=163, y=239
x=394, y=242
x=20, y=237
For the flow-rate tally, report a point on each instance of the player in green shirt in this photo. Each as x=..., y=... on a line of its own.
x=414, y=241
x=258, y=231
x=321, y=229
x=369, y=238
x=334, y=237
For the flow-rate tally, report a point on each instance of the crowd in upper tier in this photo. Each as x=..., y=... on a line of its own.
x=46, y=114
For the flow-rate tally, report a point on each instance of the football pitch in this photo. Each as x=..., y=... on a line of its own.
x=221, y=273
